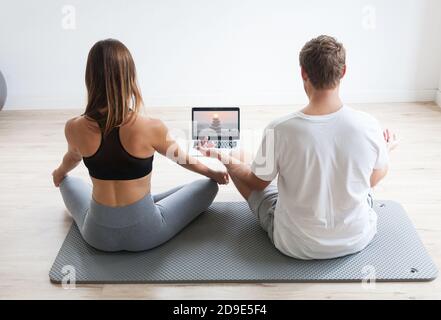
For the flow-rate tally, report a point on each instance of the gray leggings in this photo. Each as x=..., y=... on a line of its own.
x=142, y=225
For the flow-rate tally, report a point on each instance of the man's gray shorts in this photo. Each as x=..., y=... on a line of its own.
x=263, y=204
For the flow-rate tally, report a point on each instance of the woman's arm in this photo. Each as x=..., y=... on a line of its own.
x=70, y=160
x=168, y=147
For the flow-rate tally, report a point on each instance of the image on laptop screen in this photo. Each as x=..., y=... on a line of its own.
x=216, y=124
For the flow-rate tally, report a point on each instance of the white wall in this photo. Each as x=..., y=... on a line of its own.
x=220, y=52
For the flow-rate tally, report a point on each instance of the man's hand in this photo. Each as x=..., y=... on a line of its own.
x=221, y=177
x=391, y=139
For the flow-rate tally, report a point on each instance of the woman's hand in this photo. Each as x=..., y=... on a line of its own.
x=221, y=177
x=205, y=147
x=58, y=176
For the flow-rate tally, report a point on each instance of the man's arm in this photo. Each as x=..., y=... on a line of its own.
x=241, y=173
x=243, y=178
x=378, y=175
x=249, y=178
x=391, y=142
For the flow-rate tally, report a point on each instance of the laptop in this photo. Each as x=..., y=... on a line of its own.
x=221, y=126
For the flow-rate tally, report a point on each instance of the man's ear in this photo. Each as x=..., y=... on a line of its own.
x=304, y=74
x=343, y=72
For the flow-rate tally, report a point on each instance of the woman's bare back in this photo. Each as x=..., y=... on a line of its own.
x=138, y=137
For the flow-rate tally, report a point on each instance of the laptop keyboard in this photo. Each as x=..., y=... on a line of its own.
x=223, y=144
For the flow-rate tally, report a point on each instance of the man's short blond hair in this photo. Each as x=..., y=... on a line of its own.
x=323, y=59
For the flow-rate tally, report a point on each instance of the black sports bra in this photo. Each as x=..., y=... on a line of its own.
x=112, y=162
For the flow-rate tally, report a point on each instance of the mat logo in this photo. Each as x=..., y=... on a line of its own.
x=369, y=18
x=69, y=277
x=369, y=277
x=68, y=21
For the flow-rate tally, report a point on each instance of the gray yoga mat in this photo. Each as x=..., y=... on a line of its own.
x=226, y=244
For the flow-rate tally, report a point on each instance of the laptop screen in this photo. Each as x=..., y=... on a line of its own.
x=216, y=123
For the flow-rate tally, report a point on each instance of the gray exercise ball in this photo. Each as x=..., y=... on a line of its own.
x=3, y=91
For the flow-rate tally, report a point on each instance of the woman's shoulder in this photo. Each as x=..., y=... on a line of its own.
x=80, y=122
x=73, y=123
x=80, y=126
x=149, y=123
x=148, y=129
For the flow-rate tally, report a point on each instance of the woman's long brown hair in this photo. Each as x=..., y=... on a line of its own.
x=112, y=88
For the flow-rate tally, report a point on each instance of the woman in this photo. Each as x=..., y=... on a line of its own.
x=117, y=145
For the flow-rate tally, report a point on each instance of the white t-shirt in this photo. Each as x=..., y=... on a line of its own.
x=324, y=165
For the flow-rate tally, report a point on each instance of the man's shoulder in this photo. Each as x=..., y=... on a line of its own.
x=363, y=118
x=281, y=121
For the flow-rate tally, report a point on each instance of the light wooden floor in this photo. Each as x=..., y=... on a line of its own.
x=33, y=221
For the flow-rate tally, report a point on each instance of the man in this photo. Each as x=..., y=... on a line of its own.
x=327, y=158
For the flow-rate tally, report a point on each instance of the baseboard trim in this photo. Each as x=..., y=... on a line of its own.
x=219, y=99
x=438, y=98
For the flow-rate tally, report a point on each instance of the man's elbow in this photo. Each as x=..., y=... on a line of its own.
x=377, y=176
x=259, y=184
x=374, y=182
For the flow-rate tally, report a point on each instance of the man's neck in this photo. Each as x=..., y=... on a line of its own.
x=322, y=102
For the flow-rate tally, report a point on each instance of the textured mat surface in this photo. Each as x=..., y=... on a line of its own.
x=226, y=244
